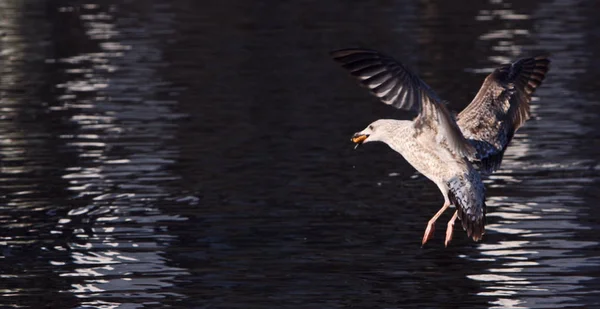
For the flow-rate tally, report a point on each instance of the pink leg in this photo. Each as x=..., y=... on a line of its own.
x=450, y=228
x=430, y=225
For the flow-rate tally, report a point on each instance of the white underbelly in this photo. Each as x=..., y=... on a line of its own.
x=437, y=164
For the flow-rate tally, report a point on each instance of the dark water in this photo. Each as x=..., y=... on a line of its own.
x=189, y=154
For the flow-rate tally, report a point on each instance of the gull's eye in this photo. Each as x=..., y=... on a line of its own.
x=370, y=127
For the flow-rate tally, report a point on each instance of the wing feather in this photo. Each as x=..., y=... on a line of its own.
x=396, y=85
x=500, y=108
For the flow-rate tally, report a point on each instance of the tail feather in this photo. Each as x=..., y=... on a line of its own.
x=467, y=193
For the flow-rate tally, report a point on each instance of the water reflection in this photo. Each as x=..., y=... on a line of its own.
x=120, y=116
x=532, y=244
x=113, y=112
x=103, y=232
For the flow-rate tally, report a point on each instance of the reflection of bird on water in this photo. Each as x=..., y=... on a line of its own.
x=443, y=148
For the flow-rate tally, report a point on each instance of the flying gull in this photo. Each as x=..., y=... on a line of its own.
x=451, y=152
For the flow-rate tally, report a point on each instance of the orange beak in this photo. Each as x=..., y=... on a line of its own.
x=359, y=138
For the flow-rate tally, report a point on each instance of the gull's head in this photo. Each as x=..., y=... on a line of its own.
x=377, y=131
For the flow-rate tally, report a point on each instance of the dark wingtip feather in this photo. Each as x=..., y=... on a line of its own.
x=530, y=73
x=383, y=76
x=349, y=56
x=348, y=51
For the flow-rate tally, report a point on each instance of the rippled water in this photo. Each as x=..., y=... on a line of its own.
x=187, y=155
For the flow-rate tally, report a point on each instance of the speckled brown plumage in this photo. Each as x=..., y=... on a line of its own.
x=500, y=108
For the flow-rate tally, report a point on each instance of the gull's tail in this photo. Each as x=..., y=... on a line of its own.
x=467, y=193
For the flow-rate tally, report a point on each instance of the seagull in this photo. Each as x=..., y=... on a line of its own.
x=453, y=152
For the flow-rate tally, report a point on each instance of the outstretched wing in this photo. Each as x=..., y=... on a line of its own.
x=500, y=108
x=395, y=85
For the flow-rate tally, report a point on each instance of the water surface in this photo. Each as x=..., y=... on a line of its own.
x=186, y=155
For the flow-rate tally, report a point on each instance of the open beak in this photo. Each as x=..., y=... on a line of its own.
x=359, y=138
